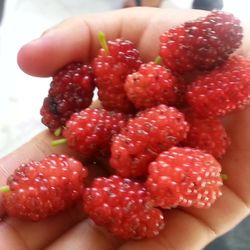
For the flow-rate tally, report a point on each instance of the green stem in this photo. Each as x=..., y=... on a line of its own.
x=223, y=176
x=4, y=189
x=103, y=42
x=158, y=60
x=58, y=142
x=58, y=131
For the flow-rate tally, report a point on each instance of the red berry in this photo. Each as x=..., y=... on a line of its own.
x=70, y=91
x=207, y=134
x=111, y=69
x=202, y=43
x=184, y=177
x=144, y=137
x=123, y=207
x=41, y=189
x=224, y=90
x=89, y=132
x=152, y=85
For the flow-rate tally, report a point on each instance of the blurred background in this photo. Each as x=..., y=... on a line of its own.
x=21, y=95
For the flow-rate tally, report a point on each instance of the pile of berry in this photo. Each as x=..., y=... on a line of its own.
x=160, y=133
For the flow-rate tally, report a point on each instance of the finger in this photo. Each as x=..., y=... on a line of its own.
x=182, y=232
x=84, y=236
x=18, y=234
x=39, y=234
x=236, y=163
x=87, y=236
x=76, y=38
x=195, y=228
x=245, y=48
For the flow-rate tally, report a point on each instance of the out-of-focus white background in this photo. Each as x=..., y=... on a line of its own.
x=21, y=95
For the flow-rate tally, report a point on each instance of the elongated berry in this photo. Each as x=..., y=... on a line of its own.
x=40, y=189
x=123, y=207
x=225, y=89
x=201, y=44
x=151, y=132
x=90, y=131
x=111, y=67
x=71, y=90
x=184, y=177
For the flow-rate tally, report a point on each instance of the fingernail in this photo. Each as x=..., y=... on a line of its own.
x=44, y=34
x=50, y=30
x=47, y=32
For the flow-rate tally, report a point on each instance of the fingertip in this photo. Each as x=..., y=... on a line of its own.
x=27, y=59
x=38, y=58
x=42, y=57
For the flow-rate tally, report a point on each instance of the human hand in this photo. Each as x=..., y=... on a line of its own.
x=189, y=228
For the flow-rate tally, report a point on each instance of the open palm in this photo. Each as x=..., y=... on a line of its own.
x=75, y=39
